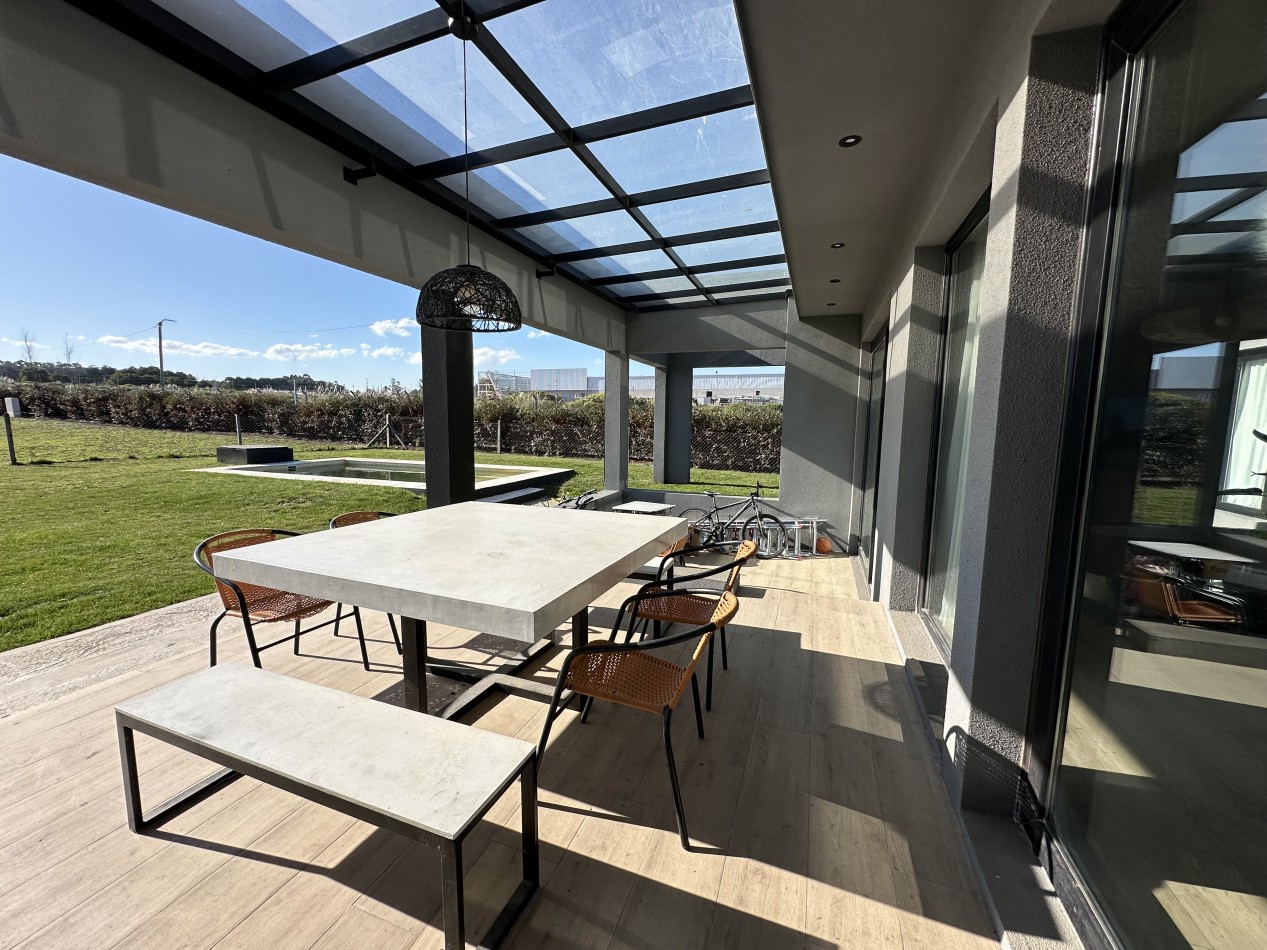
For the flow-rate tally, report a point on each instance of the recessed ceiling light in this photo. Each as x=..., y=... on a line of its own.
x=849, y=141
x=834, y=280
x=839, y=244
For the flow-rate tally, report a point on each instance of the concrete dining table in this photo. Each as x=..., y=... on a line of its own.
x=516, y=572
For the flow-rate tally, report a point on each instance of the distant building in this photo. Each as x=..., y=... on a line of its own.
x=712, y=388
x=1195, y=376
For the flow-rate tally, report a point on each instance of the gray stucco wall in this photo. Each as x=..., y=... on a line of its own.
x=671, y=436
x=1037, y=213
x=820, y=406
x=81, y=98
x=910, y=397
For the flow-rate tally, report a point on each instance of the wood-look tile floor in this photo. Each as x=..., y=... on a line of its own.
x=816, y=811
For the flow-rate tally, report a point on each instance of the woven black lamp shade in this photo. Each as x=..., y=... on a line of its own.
x=470, y=299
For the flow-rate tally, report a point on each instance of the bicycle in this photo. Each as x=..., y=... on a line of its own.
x=578, y=502
x=768, y=531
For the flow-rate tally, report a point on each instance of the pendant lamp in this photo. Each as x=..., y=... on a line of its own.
x=466, y=297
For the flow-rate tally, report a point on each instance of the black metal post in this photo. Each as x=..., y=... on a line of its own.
x=448, y=375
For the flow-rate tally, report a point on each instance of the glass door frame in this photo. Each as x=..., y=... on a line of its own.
x=980, y=211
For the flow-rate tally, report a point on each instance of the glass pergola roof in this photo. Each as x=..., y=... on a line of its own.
x=614, y=142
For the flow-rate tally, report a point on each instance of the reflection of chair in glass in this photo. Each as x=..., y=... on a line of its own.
x=627, y=674
x=346, y=520
x=691, y=599
x=1171, y=598
x=254, y=604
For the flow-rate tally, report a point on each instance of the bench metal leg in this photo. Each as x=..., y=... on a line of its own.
x=528, y=888
x=139, y=821
x=451, y=888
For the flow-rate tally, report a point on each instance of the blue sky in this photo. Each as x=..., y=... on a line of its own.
x=104, y=268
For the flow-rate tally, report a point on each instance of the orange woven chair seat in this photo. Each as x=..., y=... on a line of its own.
x=639, y=680
x=694, y=609
x=268, y=605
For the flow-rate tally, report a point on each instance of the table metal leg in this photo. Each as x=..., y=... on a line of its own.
x=413, y=637
x=581, y=628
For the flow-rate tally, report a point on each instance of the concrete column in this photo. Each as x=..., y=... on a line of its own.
x=671, y=459
x=910, y=402
x=616, y=422
x=448, y=408
x=820, y=407
x=1042, y=157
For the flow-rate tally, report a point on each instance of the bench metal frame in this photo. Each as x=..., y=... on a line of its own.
x=452, y=886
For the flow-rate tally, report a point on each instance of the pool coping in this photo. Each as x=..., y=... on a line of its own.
x=529, y=475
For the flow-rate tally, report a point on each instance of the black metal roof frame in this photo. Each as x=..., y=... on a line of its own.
x=275, y=91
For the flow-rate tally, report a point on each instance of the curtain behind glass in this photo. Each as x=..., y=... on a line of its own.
x=967, y=265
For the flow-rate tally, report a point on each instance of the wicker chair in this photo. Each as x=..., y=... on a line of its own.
x=692, y=599
x=627, y=674
x=346, y=520
x=253, y=604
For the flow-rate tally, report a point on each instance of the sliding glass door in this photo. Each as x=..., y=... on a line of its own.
x=959, y=366
x=878, y=360
x=1161, y=775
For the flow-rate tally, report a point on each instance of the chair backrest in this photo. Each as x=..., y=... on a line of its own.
x=677, y=546
x=205, y=552
x=743, y=554
x=349, y=518
x=723, y=613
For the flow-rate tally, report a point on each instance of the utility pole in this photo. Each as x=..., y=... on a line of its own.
x=160, y=348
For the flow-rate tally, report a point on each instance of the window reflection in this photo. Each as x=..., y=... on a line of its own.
x=1164, y=763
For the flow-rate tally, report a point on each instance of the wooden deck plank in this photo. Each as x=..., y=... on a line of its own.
x=814, y=805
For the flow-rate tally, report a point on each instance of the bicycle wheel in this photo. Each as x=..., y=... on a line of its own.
x=700, y=522
x=769, y=533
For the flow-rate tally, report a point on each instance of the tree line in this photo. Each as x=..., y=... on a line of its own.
x=28, y=371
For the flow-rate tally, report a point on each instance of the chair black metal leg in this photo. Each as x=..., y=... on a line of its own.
x=298, y=631
x=391, y=622
x=586, y=703
x=250, y=643
x=677, y=791
x=338, y=615
x=709, y=701
x=725, y=664
x=360, y=635
x=215, y=623
x=699, y=719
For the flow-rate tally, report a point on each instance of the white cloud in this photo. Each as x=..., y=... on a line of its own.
x=175, y=347
x=600, y=362
x=415, y=359
x=38, y=346
x=533, y=334
x=79, y=336
x=306, y=351
x=487, y=356
x=405, y=326
x=392, y=352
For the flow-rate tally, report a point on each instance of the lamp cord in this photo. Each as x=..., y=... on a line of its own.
x=466, y=140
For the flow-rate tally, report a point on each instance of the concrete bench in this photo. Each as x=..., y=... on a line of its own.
x=426, y=778
x=519, y=496
x=253, y=454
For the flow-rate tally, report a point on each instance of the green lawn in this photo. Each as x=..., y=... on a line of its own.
x=98, y=522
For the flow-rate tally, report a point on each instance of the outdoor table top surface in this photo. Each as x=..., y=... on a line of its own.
x=424, y=771
x=1195, y=551
x=644, y=507
x=507, y=570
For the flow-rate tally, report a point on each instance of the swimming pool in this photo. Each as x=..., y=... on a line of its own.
x=410, y=474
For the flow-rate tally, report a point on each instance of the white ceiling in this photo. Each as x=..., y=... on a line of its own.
x=897, y=73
